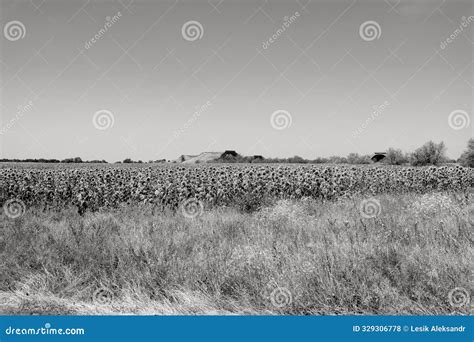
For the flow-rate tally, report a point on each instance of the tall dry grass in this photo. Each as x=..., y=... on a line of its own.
x=303, y=257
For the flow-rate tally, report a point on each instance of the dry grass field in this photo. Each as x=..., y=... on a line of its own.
x=414, y=255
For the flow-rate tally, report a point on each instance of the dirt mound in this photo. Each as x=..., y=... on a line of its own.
x=204, y=157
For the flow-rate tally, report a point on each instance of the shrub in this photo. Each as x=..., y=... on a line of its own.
x=355, y=158
x=467, y=158
x=297, y=160
x=320, y=160
x=395, y=157
x=337, y=160
x=429, y=154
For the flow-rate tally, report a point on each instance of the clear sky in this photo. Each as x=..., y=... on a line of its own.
x=337, y=76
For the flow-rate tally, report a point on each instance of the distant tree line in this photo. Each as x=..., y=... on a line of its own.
x=430, y=153
x=352, y=158
x=130, y=161
x=76, y=160
x=43, y=160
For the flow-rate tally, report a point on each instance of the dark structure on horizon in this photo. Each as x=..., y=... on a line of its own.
x=229, y=153
x=378, y=156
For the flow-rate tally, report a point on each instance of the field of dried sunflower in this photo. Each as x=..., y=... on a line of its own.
x=236, y=239
x=247, y=187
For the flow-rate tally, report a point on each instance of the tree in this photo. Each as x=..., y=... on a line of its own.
x=429, y=154
x=355, y=158
x=296, y=160
x=395, y=156
x=337, y=160
x=467, y=157
x=320, y=160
